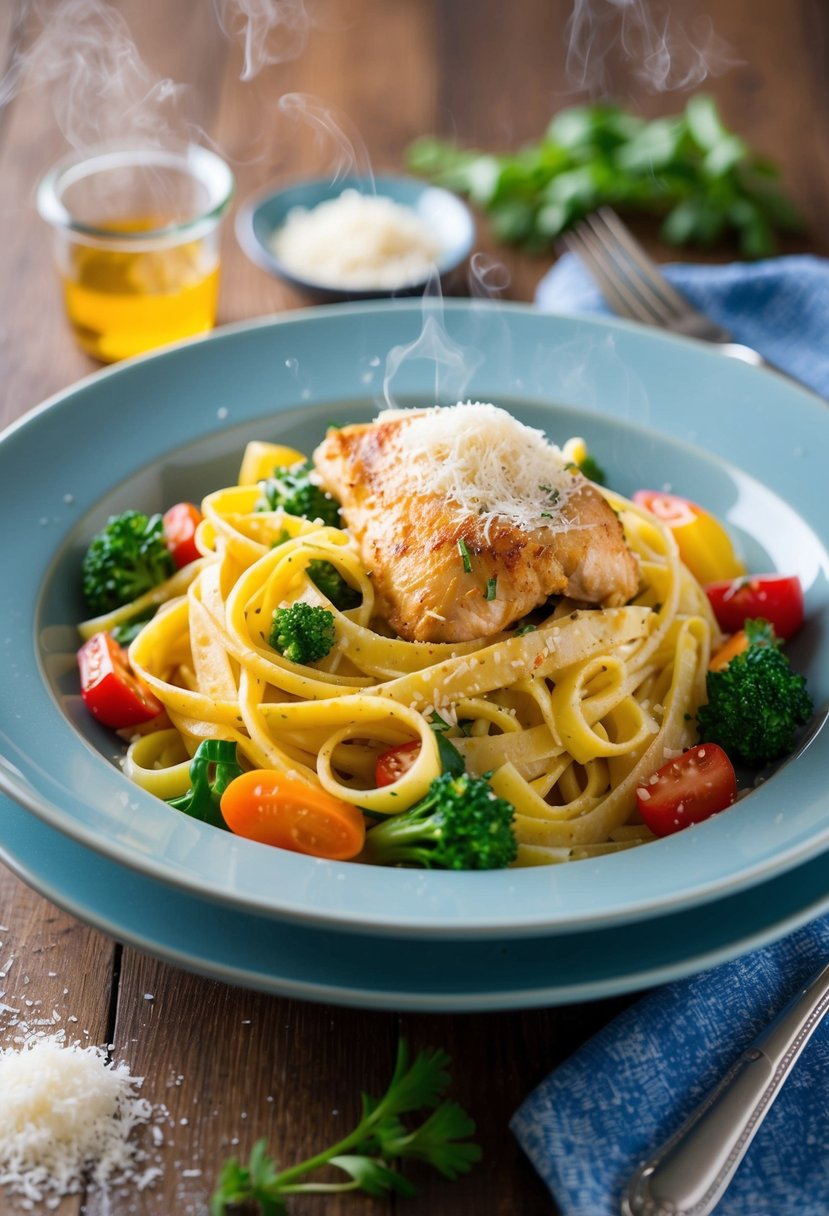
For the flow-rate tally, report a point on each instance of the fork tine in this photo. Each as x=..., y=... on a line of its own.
x=634, y=287
x=641, y=274
x=616, y=287
x=650, y=272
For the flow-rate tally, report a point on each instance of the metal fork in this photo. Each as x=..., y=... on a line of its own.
x=634, y=286
x=690, y=1173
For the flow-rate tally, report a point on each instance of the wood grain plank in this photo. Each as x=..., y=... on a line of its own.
x=54, y=971
x=231, y=1066
x=497, y=1060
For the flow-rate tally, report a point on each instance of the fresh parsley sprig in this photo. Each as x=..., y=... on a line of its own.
x=690, y=169
x=368, y=1156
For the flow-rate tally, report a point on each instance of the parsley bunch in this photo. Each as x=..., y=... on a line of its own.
x=368, y=1155
x=689, y=168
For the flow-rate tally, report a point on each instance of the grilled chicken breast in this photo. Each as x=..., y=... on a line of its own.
x=468, y=520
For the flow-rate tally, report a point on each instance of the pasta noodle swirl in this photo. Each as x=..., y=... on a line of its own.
x=567, y=716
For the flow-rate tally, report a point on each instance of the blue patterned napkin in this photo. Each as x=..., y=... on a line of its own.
x=591, y=1122
x=596, y=1117
x=780, y=307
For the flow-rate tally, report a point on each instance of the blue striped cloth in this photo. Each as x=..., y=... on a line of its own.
x=780, y=307
x=598, y=1115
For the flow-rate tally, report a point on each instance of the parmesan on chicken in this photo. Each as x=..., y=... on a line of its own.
x=467, y=520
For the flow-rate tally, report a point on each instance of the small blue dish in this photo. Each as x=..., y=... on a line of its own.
x=444, y=213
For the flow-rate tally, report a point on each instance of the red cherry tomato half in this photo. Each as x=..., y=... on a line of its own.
x=777, y=598
x=688, y=789
x=110, y=691
x=394, y=763
x=179, y=526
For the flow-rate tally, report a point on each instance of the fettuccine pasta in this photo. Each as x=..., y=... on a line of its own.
x=567, y=718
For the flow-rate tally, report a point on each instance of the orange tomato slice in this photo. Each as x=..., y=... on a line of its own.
x=275, y=808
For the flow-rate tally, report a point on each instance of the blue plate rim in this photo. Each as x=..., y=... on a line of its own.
x=189, y=933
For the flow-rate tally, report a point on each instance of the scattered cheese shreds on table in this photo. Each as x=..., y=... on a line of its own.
x=66, y=1114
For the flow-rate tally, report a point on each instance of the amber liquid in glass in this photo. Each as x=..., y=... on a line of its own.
x=120, y=303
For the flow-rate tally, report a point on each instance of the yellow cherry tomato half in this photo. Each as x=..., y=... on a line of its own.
x=704, y=545
x=260, y=459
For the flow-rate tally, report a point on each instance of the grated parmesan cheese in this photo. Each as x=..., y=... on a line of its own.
x=357, y=240
x=486, y=463
x=65, y=1113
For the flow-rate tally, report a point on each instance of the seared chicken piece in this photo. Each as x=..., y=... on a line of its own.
x=467, y=520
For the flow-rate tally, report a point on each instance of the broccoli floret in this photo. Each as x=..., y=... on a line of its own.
x=303, y=632
x=292, y=490
x=125, y=559
x=755, y=703
x=331, y=583
x=459, y=825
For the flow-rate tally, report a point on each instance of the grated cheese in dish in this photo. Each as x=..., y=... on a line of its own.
x=65, y=1112
x=486, y=463
x=361, y=241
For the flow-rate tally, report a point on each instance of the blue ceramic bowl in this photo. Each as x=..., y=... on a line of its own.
x=656, y=409
x=445, y=214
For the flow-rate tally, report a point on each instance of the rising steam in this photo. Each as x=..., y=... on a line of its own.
x=345, y=151
x=655, y=44
x=271, y=31
x=487, y=278
x=84, y=53
x=83, y=50
x=453, y=364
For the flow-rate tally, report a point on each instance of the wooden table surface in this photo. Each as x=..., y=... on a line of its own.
x=232, y=1065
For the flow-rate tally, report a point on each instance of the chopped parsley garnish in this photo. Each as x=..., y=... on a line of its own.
x=463, y=549
x=491, y=585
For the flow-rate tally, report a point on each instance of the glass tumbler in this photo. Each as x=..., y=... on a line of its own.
x=136, y=239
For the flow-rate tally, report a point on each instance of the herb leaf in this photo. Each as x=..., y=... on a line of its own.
x=367, y=1155
x=702, y=179
x=451, y=760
